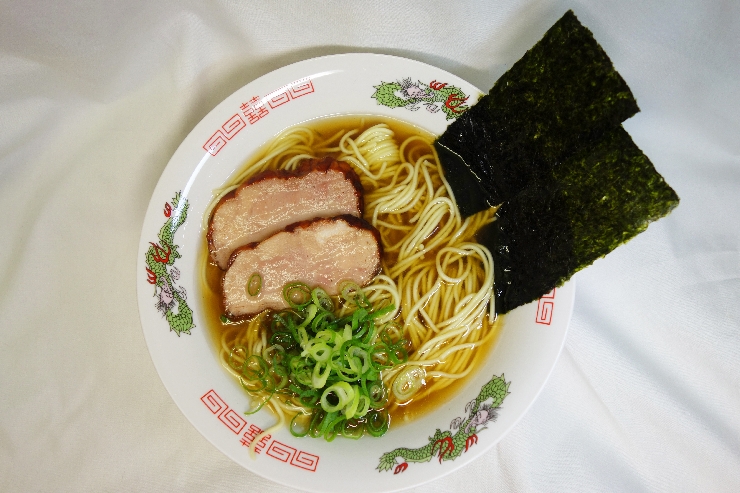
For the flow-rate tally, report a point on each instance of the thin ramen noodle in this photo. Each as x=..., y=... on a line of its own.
x=435, y=274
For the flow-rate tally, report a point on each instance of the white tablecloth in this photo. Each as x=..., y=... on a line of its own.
x=95, y=97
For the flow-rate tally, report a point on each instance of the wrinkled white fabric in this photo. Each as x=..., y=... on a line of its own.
x=96, y=96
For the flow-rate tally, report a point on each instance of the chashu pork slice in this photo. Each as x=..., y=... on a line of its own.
x=272, y=200
x=321, y=252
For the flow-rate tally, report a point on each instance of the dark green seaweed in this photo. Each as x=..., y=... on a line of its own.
x=562, y=95
x=470, y=198
x=563, y=221
x=547, y=144
x=532, y=246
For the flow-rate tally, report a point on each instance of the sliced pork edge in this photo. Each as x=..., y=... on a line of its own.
x=321, y=252
x=274, y=199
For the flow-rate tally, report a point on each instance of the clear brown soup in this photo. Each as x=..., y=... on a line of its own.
x=211, y=283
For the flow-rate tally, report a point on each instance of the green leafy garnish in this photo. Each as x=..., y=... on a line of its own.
x=331, y=365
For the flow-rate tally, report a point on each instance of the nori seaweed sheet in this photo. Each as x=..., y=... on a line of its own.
x=560, y=96
x=470, y=198
x=562, y=222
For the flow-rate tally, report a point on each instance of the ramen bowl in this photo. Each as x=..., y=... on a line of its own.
x=459, y=428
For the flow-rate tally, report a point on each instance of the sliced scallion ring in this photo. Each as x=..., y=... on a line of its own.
x=352, y=428
x=297, y=295
x=322, y=300
x=254, y=284
x=408, y=382
x=341, y=392
x=352, y=293
x=296, y=421
x=377, y=423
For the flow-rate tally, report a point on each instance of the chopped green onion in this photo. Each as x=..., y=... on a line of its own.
x=314, y=429
x=279, y=375
x=256, y=409
x=353, y=428
x=408, y=382
x=321, y=319
x=350, y=409
x=398, y=354
x=254, y=284
x=254, y=367
x=331, y=365
x=377, y=423
x=298, y=434
x=341, y=393
x=392, y=333
x=284, y=339
x=352, y=293
x=297, y=295
x=363, y=405
x=322, y=300
x=320, y=375
x=377, y=394
x=253, y=386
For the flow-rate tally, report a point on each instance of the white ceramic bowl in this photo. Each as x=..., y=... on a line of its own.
x=525, y=353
